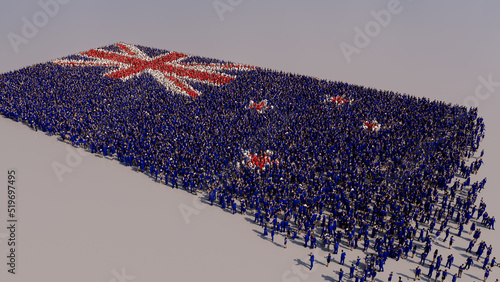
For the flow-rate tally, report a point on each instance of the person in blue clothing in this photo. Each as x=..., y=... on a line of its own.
x=438, y=262
x=373, y=274
x=313, y=242
x=431, y=270
x=447, y=232
x=435, y=255
x=460, y=271
x=234, y=206
x=342, y=257
x=398, y=253
x=477, y=234
x=486, y=273
x=212, y=198
x=460, y=229
x=328, y=259
x=438, y=274
x=336, y=247
x=471, y=245
x=381, y=263
x=469, y=262
x=423, y=257
x=449, y=261
x=452, y=239
x=366, y=244
x=438, y=233
x=479, y=252
x=486, y=261
x=341, y=274
x=351, y=271
x=472, y=227
x=311, y=259
x=418, y=271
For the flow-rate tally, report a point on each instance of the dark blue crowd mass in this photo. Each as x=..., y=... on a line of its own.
x=325, y=181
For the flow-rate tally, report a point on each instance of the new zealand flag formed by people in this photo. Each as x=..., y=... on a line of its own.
x=271, y=139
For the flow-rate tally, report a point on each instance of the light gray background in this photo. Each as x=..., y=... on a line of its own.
x=103, y=217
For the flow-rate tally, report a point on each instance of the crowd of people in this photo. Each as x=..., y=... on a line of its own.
x=330, y=178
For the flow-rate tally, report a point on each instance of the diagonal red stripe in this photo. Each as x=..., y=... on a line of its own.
x=183, y=86
x=126, y=49
x=134, y=69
